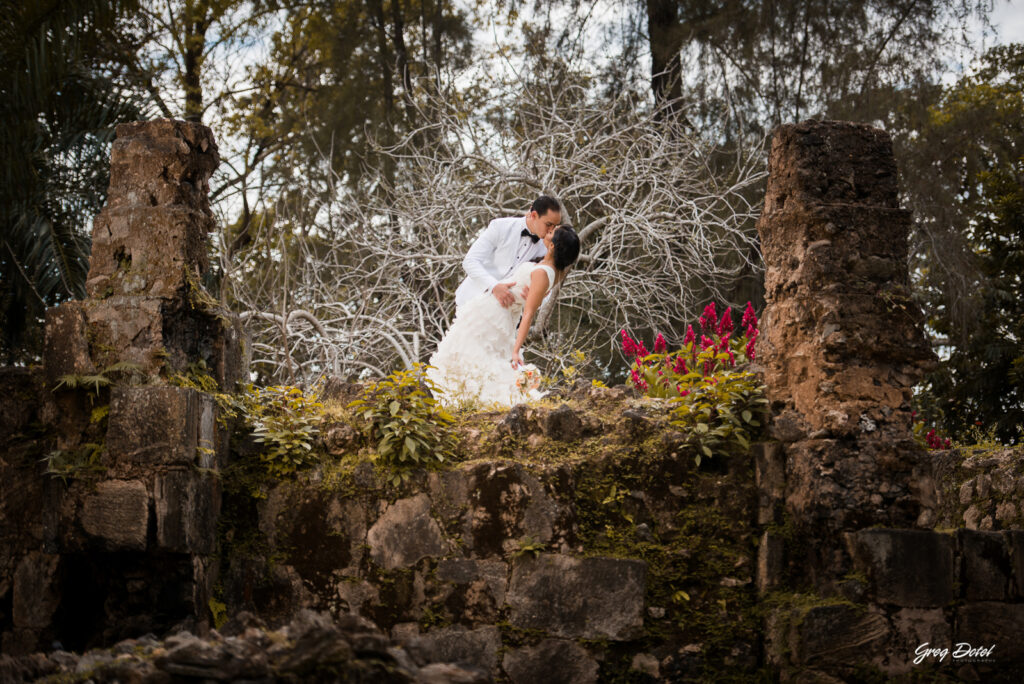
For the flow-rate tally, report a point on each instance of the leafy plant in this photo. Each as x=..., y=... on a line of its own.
x=71, y=463
x=95, y=381
x=286, y=421
x=616, y=498
x=529, y=545
x=720, y=406
x=218, y=611
x=197, y=376
x=410, y=428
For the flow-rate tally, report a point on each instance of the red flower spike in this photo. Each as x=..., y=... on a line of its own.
x=725, y=325
x=749, y=317
x=659, y=344
x=709, y=319
x=706, y=342
x=680, y=367
x=749, y=351
x=690, y=335
x=628, y=345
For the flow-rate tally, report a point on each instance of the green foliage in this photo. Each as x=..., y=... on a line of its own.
x=219, y=612
x=409, y=426
x=529, y=546
x=76, y=462
x=969, y=149
x=197, y=376
x=126, y=370
x=59, y=107
x=286, y=421
x=720, y=413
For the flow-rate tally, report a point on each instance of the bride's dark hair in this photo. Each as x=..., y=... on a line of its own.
x=566, y=247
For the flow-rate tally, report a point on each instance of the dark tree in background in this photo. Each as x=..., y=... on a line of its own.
x=969, y=162
x=58, y=107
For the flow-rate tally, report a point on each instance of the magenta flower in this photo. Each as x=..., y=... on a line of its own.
x=659, y=344
x=749, y=317
x=638, y=382
x=628, y=345
x=706, y=342
x=749, y=351
x=690, y=336
x=680, y=365
x=725, y=325
x=709, y=319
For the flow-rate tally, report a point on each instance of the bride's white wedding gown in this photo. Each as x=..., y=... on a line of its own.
x=473, y=361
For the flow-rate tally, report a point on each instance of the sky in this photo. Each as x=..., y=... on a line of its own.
x=1008, y=18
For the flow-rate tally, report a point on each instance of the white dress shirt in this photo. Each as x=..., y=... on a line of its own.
x=495, y=255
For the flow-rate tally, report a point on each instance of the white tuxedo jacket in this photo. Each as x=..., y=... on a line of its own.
x=495, y=255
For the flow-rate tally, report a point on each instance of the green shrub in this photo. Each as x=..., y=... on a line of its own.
x=409, y=426
x=286, y=421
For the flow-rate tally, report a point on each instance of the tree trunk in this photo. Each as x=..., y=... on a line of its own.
x=665, y=36
x=195, y=22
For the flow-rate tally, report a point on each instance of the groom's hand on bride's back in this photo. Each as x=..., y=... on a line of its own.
x=503, y=294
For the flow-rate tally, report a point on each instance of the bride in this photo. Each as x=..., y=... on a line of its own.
x=479, y=360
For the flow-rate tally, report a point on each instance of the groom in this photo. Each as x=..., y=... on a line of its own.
x=502, y=247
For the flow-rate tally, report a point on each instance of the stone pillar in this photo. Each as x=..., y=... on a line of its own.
x=153, y=510
x=146, y=302
x=843, y=345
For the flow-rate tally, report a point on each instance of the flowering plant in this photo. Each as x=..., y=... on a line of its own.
x=716, y=399
x=926, y=437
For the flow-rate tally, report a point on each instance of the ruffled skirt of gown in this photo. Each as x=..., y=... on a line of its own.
x=472, y=364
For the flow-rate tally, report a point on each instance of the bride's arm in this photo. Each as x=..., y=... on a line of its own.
x=538, y=288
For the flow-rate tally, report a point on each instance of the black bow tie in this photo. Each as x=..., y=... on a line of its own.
x=526, y=233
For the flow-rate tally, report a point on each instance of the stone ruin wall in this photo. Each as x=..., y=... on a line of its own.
x=855, y=566
x=94, y=555
x=849, y=500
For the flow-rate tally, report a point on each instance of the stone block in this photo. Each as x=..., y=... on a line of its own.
x=1015, y=546
x=404, y=534
x=506, y=504
x=127, y=329
x=562, y=424
x=990, y=623
x=467, y=571
x=589, y=598
x=831, y=162
x=985, y=566
x=66, y=351
x=839, y=634
x=477, y=647
x=770, y=477
x=36, y=592
x=161, y=425
x=163, y=162
x=472, y=590
x=147, y=251
x=117, y=514
x=769, y=561
x=552, y=661
x=918, y=628
x=908, y=568
x=187, y=504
